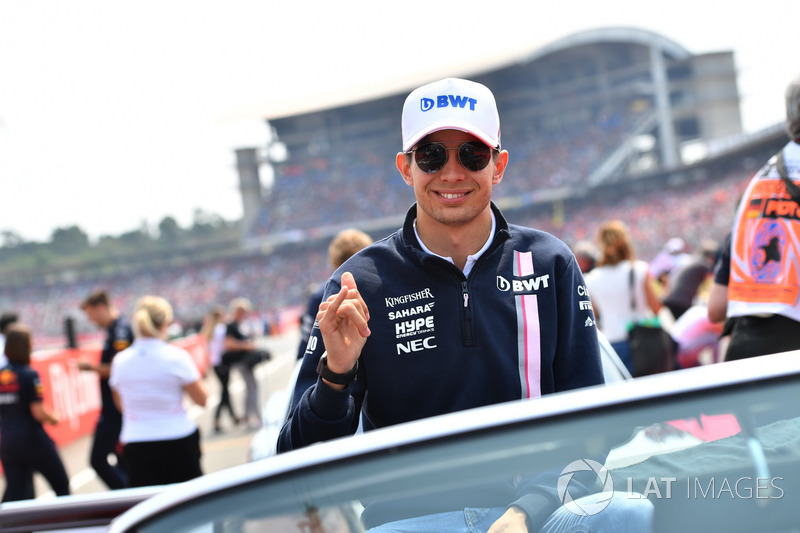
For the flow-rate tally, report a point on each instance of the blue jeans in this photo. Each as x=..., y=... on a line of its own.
x=622, y=515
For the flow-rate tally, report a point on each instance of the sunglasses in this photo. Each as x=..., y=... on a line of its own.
x=432, y=157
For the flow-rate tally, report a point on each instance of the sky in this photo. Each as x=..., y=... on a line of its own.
x=115, y=114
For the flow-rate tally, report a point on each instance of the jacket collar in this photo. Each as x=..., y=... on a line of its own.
x=409, y=239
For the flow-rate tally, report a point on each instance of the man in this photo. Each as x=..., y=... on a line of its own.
x=119, y=336
x=458, y=309
x=762, y=300
x=688, y=280
x=239, y=349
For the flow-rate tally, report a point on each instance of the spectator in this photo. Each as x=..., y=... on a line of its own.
x=25, y=447
x=688, y=280
x=162, y=443
x=430, y=320
x=697, y=338
x=763, y=296
x=586, y=255
x=346, y=243
x=671, y=258
x=239, y=349
x=618, y=301
x=99, y=309
x=213, y=331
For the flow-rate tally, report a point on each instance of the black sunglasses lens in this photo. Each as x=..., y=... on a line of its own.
x=431, y=157
x=474, y=155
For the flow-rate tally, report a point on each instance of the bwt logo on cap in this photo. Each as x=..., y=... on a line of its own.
x=447, y=100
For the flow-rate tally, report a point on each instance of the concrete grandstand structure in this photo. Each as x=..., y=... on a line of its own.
x=590, y=109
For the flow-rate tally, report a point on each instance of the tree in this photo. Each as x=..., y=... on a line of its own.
x=69, y=240
x=136, y=238
x=169, y=232
x=205, y=223
x=11, y=238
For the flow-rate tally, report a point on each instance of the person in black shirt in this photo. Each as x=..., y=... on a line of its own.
x=25, y=447
x=688, y=280
x=239, y=350
x=119, y=336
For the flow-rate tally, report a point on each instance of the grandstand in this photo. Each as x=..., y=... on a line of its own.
x=592, y=108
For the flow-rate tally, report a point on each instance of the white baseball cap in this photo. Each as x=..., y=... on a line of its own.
x=451, y=104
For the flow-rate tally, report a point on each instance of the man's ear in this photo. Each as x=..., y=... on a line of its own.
x=403, y=162
x=500, y=167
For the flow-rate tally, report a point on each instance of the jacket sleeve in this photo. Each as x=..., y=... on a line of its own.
x=538, y=495
x=322, y=413
x=319, y=412
x=577, y=360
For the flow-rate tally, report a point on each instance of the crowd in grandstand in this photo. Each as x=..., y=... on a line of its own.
x=567, y=155
x=693, y=212
x=281, y=278
x=272, y=282
x=551, y=156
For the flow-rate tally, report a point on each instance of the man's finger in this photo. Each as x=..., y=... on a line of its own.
x=349, y=281
x=354, y=314
x=331, y=306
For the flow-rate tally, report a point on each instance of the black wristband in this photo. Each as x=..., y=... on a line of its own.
x=329, y=375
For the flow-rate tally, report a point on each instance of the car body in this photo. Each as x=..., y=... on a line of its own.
x=80, y=513
x=714, y=448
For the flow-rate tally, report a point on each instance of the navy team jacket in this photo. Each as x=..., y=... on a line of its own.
x=520, y=326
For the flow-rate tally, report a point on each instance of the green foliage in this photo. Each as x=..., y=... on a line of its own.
x=69, y=241
x=69, y=253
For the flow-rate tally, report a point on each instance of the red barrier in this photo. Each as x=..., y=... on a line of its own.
x=71, y=393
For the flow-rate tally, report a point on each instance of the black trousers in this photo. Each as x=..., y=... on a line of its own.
x=106, y=438
x=22, y=454
x=161, y=462
x=223, y=373
x=752, y=336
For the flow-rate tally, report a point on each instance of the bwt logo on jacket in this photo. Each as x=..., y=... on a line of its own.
x=447, y=100
x=526, y=286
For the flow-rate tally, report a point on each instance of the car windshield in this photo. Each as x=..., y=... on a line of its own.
x=726, y=458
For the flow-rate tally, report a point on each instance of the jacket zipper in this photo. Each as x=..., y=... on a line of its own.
x=467, y=314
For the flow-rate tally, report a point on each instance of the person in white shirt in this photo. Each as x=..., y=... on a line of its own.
x=621, y=288
x=149, y=379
